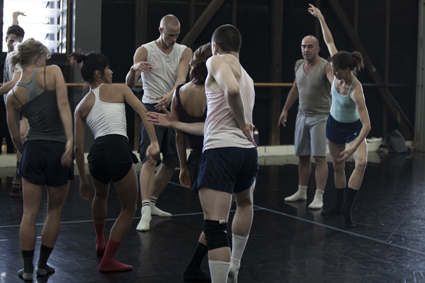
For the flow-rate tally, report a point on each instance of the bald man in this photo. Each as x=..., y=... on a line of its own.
x=312, y=87
x=161, y=65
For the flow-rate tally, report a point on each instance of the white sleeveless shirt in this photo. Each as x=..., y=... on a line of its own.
x=164, y=72
x=221, y=128
x=106, y=118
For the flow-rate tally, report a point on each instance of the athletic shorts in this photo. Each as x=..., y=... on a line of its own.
x=228, y=169
x=310, y=134
x=41, y=163
x=166, y=140
x=110, y=158
x=342, y=133
x=193, y=163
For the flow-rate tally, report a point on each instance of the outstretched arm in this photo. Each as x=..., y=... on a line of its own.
x=327, y=35
x=139, y=65
x=15, y=17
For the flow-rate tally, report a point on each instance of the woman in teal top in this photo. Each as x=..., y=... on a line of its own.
x=348, y=122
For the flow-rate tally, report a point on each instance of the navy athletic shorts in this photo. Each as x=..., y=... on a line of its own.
x=342, y=133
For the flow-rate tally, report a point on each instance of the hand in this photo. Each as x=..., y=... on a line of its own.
x=66, y=158
x=184, y=178
x=346, y=154
x=165, y=100
x=86, y=190
x=152, y=150
x=163, y=120
x=143, y=66
x=249, y=132
x=314, y=11
x=282, y=118
x=15, y=17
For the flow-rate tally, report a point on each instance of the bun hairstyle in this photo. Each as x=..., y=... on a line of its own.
x=24, y=53
x=344, y=59
x=91, y=62
x=198, y=69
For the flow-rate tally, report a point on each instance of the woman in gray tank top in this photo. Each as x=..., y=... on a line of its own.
x=41, y=96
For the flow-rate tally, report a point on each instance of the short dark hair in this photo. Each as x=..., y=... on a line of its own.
x=228, y=38
x=198, y=68
x=344, y=59
x=16, y=30
x=91, y=63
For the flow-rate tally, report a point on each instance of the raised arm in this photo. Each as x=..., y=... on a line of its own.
x=164, y=100
x=64, y=112
x=139, y=65
x=15, y=17
x=327, y=36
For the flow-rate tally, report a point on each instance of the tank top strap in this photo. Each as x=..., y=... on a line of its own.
x=178, y=101
x=13, y=92
x=351, y=86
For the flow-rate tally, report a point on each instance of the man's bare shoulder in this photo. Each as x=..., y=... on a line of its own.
x=140, y=55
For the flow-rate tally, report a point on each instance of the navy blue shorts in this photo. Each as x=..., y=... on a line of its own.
x=41, y=163
x=110, y=158
x=342, y=133
x=193, y=163
x=228, y=169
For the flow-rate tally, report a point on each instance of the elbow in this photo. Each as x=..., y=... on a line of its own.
x=233, y=91
x=78, y=150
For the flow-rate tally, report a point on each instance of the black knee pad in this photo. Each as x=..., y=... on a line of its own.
x=216, y=234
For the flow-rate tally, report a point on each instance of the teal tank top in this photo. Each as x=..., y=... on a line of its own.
x=343, y=108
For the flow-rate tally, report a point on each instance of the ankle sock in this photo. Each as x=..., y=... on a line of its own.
x=144, y=223
x=28, y=258
x=44, y=271
x=100, y=238
x=156, y=211
x=338, y=203
x=301, y=194
x=108, y=263
x=45, y=252
x=317, y=202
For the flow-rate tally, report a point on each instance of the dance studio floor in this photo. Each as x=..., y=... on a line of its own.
x=288, y=243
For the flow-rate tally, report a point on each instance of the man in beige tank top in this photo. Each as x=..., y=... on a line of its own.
x=312, y=87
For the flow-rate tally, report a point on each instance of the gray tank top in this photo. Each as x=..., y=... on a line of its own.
x=314, y=88
x=42, y=112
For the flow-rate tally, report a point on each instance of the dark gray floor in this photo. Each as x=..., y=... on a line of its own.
x=288, y=243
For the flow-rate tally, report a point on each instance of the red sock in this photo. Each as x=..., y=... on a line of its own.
x=100, y=238
x=108, y=264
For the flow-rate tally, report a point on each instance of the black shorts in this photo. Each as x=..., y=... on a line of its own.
x=166, y=140
x=228, y=169
x=110, y=158
x=193, y=165
x=41, y=163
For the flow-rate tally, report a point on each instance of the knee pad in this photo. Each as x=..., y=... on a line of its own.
x=216, y=234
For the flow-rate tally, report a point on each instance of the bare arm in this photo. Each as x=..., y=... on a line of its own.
x=327, y=35
x=13, y=122
x=65, y=113
x=15, y=17
x=5, y=88
x=329, y=74
x=139, y=65
x=164, y=100
x=290, y=100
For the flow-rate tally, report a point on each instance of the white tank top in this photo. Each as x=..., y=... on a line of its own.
x=221, y=128
x=106, y=118
x=164, y=72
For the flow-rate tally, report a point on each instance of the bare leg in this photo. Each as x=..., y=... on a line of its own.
x=99, y=210
x=162, y=177
x=147, y=181
x=304, y=171
x=321, y=176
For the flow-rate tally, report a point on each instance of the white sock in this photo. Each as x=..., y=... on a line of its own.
x=301, y=194
x=238, y=247
x=219, y=271
x=144, y=224
x=156, y=211
x=317, y=202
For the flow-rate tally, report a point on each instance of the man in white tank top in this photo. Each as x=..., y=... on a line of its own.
x=229, y=161
x=313, y=78
x=161, y=65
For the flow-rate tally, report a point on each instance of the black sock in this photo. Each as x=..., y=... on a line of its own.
x=44, y=256
x=350, y=196
x=198, y=255
x=338, y=203
x=28, y=257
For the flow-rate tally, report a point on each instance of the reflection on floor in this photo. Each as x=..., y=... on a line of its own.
x=288, y=242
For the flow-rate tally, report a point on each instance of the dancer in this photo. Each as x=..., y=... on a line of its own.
x=14, y=33
x=110, y=156
x=188, y=109
x=163, y=65
x=348, y=122
x=41, y=96
x=229, y=161
x=313, y=78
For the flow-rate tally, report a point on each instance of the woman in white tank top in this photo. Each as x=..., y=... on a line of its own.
x=111, y=157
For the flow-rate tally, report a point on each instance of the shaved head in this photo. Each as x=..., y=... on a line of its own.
x=311, y=38
x=168, y=20
x=310, y=48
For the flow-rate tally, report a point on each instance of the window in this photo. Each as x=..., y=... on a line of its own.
x=45, y=21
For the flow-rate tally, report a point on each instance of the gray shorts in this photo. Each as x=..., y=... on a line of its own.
x=166, y=140
x=310, y=134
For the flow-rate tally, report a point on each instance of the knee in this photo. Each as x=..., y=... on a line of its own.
x=150, y=164
x=216, y=234
x=320, y=161
x=361, y=164
x=338, y=167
